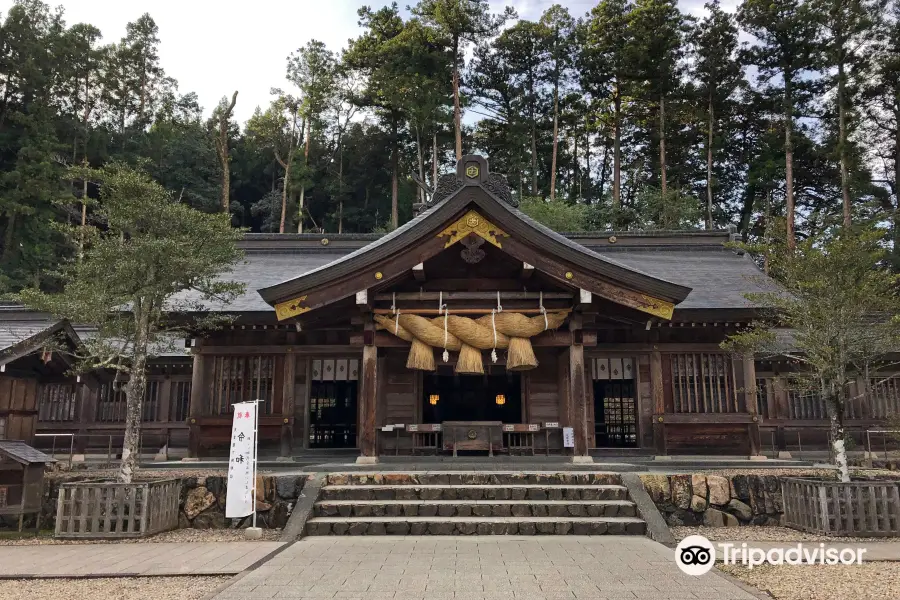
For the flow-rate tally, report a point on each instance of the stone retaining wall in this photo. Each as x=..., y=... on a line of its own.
x=717, y=500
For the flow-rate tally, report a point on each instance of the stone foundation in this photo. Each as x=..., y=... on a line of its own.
x=717, y=500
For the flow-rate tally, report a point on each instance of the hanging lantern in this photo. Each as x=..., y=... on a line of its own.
x=500, y=399
x=433, y=399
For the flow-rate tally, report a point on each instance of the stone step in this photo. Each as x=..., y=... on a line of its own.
x=477, y=508
x=473, y=478
x=475, y=526
x=474, y=492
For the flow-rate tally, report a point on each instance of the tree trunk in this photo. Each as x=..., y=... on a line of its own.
x=896, y=218
x=394, y=166
x=134, y=393
x=284, y=193
x=421, y=157
x=662, y=145
x=617, y=154
x=601, y=189
x=10, y=232
x=709, y=164
x=534, y=178
x=340, y=185
x=434, y=158
x=587, y=159
x=456, y=110
x=222, y=147
x=835, y=403
x=789, y=160
x=308, y=128
x=555, y=140
x=842, y=139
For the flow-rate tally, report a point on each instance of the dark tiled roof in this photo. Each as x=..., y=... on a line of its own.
x=23, y=453
x=718, y=278
x=17, y=328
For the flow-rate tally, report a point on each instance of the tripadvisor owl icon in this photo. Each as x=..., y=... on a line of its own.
x=695, y=555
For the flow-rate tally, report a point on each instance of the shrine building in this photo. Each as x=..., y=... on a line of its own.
x=471, y=329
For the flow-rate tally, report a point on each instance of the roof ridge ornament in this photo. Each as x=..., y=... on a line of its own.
x=471, y=170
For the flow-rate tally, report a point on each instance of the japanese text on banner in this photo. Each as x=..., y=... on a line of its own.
x=239, y=500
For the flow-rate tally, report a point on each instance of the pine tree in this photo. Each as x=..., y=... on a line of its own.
x=719, y=74
x=786, y=55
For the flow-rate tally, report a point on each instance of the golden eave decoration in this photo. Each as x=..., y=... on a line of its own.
x=657, y=307
x=291, y=308
x=472, y=222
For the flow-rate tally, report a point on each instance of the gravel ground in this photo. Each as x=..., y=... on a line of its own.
x=121, y=588
x=868, y=581
x=179, y=535
x=762, y=534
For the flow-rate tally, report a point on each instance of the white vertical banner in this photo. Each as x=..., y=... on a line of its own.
x=239, y=501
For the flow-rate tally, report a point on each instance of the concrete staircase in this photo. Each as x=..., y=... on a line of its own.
x=469, y=503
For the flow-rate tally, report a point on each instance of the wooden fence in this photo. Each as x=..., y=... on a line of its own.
x=103, y=509
x=857, y=508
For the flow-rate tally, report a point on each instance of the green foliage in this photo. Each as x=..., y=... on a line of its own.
x=557, y=215
x=673, y=210
x=835, y=312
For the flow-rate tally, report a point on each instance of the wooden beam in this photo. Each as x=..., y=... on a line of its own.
x=659, y=402
x=572, y=276
x=393, y=269
x=419, y=272
x=287, y=404
x=577, y=388
x=749, y=392
x=368, y=397
x=414, y=296
x=195, y=409
x=549, y=339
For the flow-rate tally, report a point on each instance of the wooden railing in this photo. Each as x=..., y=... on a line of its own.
x=102, y=509
x=857, y=508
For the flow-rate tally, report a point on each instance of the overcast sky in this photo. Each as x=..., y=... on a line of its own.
x=215, y=47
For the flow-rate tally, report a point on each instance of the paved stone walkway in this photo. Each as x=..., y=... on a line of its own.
x=118, y=560
x=478, y=568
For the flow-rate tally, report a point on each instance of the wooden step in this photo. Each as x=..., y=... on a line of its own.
x=475, y=526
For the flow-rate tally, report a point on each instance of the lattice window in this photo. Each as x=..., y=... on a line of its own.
x=4, y=495
x=150, y=406
x=884, y=397
x=241, y=379
x=57, y=402
x=181, y=400
x=806, y=404
x=2, y=428
x=765, y=396
x=704, y=383
x=112, y=403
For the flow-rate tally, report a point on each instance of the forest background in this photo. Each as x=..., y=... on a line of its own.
x=633, y=115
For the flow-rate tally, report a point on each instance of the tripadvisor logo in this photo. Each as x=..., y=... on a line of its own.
x=695, y=555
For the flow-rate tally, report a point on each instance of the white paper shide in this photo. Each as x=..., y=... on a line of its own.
x=241, y=471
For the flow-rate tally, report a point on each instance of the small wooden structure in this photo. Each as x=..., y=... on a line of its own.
x=21, y=480
x=104, y=509
x=857, y=508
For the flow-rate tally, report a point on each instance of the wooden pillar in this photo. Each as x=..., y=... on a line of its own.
x=749, y=370
x=659, y=402
x=368, y=394
x=83, y=414
x=195, y=409
x=287, y=404
x=577, y=386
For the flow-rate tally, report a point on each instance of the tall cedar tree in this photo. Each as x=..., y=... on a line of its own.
x=559, y=33
x=312, y=69
x=462, y=22
x=719, y=74
x=658, y=28
x=848, y=49
x=141, y=280
x=785, y=52
x=606, y=70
